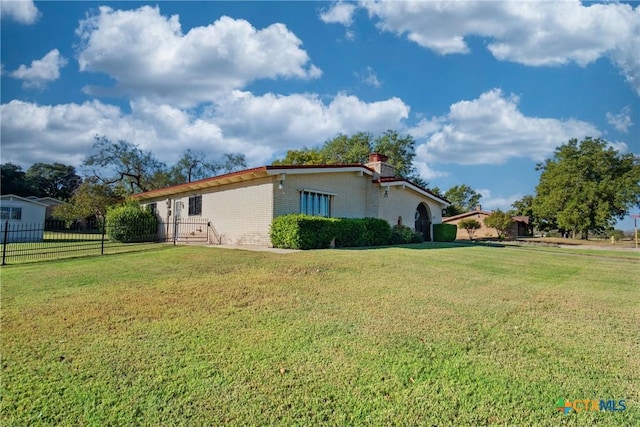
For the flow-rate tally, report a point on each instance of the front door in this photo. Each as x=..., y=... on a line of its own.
x=423, y=222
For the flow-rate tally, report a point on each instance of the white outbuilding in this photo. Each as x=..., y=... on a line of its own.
x=22, y=218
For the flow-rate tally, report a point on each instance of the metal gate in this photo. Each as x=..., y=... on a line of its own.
x=192, y=230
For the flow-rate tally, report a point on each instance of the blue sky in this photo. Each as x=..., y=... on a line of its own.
x=487, y=89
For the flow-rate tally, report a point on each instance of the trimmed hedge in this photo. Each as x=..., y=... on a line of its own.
x=297, y=231
x=354, y=232
x=444, y=232
x=131, y=223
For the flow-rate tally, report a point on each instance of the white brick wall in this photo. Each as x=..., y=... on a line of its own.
x=403, y=203
x=241, y=213
x=350, y=189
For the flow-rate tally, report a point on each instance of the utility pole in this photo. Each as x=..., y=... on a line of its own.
x=635, y=228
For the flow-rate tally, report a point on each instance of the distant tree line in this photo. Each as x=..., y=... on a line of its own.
x=112, y=171
x=41, y=180
x=584, y=188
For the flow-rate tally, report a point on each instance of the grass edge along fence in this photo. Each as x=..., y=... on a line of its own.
x=53, y=240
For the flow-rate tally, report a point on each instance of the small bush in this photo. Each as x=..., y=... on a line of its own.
x=617, y=235
x=471, y=225
x=401, y=234
x=417, y=237
x=444, y=232
x=131, y=223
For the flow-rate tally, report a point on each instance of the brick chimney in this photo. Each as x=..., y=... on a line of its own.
x=378, y=162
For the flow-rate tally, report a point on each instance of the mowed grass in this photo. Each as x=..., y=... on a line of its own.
x=418, y=335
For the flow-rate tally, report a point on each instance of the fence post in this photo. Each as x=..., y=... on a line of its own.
x=5, y=242
x=104, y=231
x=175, y=229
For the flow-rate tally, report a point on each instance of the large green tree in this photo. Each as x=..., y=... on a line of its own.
x=524, y=207
x=586, y=186
x=304, y=156
x=13, y=180
x=53, y=180
x=401, y=150
x=128, y=169
x=123, y=165
x=500, y=221
x=89, y=200
x=463, y=199
x=192, y=166
x=41, y=179
x=343, y=149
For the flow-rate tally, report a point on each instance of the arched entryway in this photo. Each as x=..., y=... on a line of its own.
x=423, y=221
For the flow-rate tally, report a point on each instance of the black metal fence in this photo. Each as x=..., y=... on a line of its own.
x=58, y=239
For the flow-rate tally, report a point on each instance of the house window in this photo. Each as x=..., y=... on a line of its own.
x=8, y=212
x=195, y=205
x=317, y=204
x=153, y=208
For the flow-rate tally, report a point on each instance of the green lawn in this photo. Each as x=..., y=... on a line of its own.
x=419, y=335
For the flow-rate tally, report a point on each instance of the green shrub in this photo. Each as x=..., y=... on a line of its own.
x=377, y=232
x=350, y=232
x=617, y=235
x=401, y=234
x=471, y=225
x=131, y=223
x=297, y=231
x=417, y=237
x=444, y=232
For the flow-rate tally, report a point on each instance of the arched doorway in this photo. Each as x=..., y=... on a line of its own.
x=423, y=221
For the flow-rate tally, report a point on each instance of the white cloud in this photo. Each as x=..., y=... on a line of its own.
x=369, y=77
x=257, y=126
x=285, y=122
x=490, y=202
x=621, y=121
x=23, y=11
x=491, y=130
x=149, y=56
x=619, y=146
x=529, y=33
x=338, y=13
x=41, y=71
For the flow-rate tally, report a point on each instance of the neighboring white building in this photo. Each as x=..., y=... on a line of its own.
x=50, y=202
x=24, y=217
x=240, y=206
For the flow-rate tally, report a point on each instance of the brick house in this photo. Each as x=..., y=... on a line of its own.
x=520, y=226
x=239, y=207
